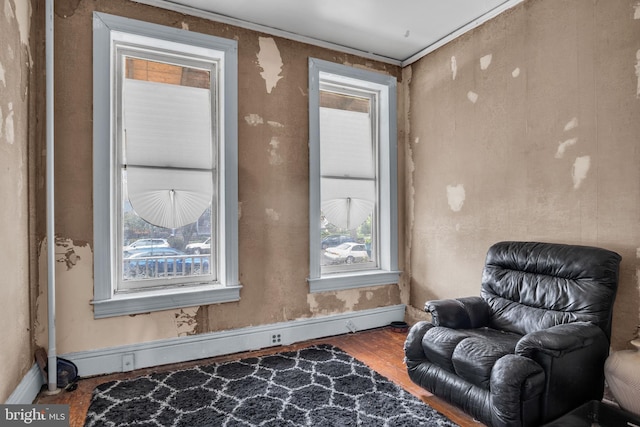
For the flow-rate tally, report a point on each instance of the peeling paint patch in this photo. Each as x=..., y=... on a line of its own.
x=454, y=68
x=562, y=147
x=275, y=124
x=638, y=73
x=272, y=214
x=9, y=132
x=8, y=12
x=274, y=158
x=580, y=168
x=185, y=25
x=2, y=78
x=472, y=96
x=456, y=196
x=571, y=124
x=516, y=72
x=485, y=61
x=270, y=61
x=68, y=255
x=1, y=121
x=23, y=17
x=186, y=322
x=417, y=140
x=254, y=120
x=636, y=13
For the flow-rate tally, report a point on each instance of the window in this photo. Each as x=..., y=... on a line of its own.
x=353, y=177
x=165, y=168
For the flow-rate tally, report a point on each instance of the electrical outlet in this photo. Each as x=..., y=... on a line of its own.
x=276, y=339
x=351, y=326
x=127, y=362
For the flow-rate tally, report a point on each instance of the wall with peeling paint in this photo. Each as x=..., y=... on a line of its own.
x=273, y=189
x=15, y=306
x=526, y=128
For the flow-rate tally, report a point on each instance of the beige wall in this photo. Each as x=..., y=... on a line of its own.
x=15, y=313
x=527, y=128
x=273, y=189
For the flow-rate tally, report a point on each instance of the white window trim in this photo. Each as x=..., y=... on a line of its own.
x=387, y=272
x=106, y=302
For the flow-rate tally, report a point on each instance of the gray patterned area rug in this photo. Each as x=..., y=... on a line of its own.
x=316, y=386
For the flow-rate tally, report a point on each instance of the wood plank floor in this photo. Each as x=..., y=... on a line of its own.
x=381, y=349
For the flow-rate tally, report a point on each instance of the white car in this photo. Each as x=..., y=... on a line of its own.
x=348, y=252
x=199, y=248
x=147, y=244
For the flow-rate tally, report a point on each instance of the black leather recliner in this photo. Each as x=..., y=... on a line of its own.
x=532, y=346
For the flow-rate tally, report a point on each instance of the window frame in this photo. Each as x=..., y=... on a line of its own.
x=106, y=301
x=387, y=171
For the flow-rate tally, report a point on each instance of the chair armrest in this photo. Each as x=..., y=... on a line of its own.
x=560, y=339
x=459, y=313
x=413, y=344
x=514, y=380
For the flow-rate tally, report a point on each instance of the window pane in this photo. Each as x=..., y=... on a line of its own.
x=167, y=173
x=347, y=180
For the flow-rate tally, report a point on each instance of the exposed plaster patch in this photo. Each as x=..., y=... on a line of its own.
x=571, y=124
x=186, y=323
x=516, y=72
x=485, y=61
x=67, y=255
x=9, y=133
x=2, y=79
x=185, y=25
x=455, y=197
x=472, y=96
x=272, y=214
x=8, y=12
x=10, y=52
x=562, y=147
x=254, y=120
x=416, y=140
x=275, y=124
x=23, y=17
x=274, y=158
x=270, y=61
x=1, y=122
x=454, y=68
x=239, y=210
x=580, y=168
x=636, y=13
x=638, y=73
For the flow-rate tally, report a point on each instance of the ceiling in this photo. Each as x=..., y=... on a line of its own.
x=397, y=32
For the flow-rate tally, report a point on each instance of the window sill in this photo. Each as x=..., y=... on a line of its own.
x=144, y=302
x=360, y=279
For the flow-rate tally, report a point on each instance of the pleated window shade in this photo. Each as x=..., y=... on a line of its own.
x=347, y=172
x=168, y=151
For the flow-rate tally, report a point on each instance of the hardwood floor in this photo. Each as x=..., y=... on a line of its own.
x=381, y=349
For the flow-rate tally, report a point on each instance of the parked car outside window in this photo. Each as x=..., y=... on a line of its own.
x=155, y=262
x=348, y=253
x=146, y=244
x=335, y=240
x=199, y=248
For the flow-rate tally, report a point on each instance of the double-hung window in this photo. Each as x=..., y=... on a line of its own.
x=165, y=168
x=353, y=177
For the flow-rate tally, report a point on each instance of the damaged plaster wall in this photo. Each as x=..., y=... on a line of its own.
x=273, y=188
x=15, y=312
x=527, y=128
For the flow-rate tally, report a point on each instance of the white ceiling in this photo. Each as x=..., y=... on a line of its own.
x=394, y=31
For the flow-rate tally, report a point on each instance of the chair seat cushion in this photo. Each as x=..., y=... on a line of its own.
x=469, y=353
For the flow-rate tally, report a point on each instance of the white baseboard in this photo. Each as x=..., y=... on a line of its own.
x=194, y=347
x=28, y=388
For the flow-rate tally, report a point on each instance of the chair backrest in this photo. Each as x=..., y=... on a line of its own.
x=531, y=286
